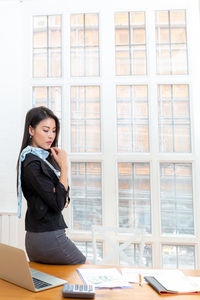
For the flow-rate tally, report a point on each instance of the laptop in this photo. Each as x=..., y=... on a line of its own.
x=15, y=269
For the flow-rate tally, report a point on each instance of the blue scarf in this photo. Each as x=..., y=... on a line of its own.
x=41, y=153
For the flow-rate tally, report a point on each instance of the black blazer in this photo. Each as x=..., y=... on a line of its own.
x=46, y=196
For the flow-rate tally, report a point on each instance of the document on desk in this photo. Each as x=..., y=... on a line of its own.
x=104, y=278
x=133, y=275
x=165, y=284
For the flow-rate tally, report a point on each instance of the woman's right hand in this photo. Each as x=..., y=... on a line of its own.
x=60, y=156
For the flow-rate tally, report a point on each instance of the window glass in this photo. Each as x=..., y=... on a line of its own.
x=132, y=118
x=86, y=195
x=176, y=199
x=134, y=195
x=133, y=253
x=130, y=43
x=178, y=257
x=174, y=118
x=171, y=42
x=86, y=248
x=47, y=46
x=85, y=119
x=85, y=45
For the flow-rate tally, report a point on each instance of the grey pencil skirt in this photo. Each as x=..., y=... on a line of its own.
x=52, y=247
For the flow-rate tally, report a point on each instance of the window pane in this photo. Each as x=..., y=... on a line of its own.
x=133, y=253
x=176, y=199
x=163, y=60
x=54, y=31
x=40, y=32
x=87, y=250
x=47, y=46
x=122, y=36
x=55, y=62
x=122, y=60
x=171, y=42
x=174, y=118
x=130, y=43
x=77, y=62
x=86, y=195
x=92, y=61
x=134, y=195
x=162, y=35
x=178, y=257
x=49, y=97
x=85, y=119
x=85, y=45
x=138, y=60
x=132, y=118
x=40, y=63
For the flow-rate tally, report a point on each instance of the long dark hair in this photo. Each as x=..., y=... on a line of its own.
x=33, y=117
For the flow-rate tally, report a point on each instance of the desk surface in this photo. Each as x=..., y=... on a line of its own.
x=13, y=292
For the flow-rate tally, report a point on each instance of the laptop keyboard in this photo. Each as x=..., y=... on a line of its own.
x=39, y=284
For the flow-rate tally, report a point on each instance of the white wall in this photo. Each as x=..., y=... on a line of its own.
x=10, y=101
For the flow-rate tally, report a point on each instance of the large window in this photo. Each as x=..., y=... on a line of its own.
x=128, y=129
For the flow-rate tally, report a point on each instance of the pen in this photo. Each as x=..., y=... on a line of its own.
x=140, y=280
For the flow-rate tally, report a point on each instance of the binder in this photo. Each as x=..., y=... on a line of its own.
x=160, y=289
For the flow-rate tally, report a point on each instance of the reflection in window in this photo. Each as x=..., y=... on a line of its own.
x=132, y=118
x=134, y=195
x=171, y=42
x=176, y=199
x=133, y=252
x=85, y=119
x=86, y=195
x=130, y=43
x=174, y=118
x=84, y=45
x=86, y=248
x=47, y=46
x=178, y=257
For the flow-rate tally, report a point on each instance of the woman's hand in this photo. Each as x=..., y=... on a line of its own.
x=60, y=156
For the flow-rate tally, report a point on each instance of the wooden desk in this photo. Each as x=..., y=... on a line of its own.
x=9, y=291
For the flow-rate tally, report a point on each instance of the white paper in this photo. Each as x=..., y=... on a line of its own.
x=104, y=278
x=132, y=275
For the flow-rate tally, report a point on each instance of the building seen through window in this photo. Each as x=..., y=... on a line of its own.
x=151, y=122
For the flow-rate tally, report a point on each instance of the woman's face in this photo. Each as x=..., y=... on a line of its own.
x=43, y=134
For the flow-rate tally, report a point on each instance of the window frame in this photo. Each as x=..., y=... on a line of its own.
x=107, y=81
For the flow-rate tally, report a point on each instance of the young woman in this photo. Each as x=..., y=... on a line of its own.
x=42, y=176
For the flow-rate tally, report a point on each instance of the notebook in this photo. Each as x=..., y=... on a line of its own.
x=15, y=269
x=174, y=285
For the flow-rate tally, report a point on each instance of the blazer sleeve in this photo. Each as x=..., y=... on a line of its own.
x=55, y=197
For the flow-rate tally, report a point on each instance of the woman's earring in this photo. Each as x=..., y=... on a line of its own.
x=30, y=137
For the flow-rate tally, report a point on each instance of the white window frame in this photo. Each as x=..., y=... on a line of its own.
x=107, y=82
